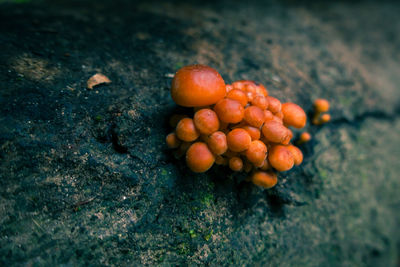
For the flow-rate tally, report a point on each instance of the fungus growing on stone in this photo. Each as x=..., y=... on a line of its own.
x=236, y=124
x=197, y=85
x=199, y=158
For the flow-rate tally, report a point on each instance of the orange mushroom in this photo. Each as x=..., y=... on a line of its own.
x=238, y=140
x=217, y=143
x=256, y=153
x=274, y=105
x=297, y=154
x=260, y=101
x=275, y=132
x=293, y=115
x=304, y=138
x=199, y=158
x=237, y=95
x=280, y=158
x=252, y=131
x=197, y=85
x=236, y=164
x=229, y=111
x=254, y=116
x=172, y=140
x=186, y=130
x=206, y=121
x=264, y=179
x=321, y=105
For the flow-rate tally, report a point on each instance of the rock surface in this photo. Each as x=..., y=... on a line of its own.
x=85, y=175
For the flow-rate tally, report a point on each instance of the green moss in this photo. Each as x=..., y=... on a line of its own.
x=209, y=235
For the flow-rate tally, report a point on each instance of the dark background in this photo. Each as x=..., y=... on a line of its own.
x=85, y=175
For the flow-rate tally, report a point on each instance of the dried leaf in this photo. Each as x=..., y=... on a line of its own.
x=97, y=79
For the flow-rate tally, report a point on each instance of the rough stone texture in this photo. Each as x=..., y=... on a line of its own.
x=85, y=176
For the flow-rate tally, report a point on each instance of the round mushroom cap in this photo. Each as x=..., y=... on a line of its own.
x=264, y=179
x=294, y=115
x=196, y=86
x=199, y=158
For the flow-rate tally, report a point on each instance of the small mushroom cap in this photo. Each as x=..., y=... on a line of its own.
x=229, y=111
x=260, y=101
x=217, y=143
x=236, y=164
x=199, y=158
x=256, y=153
x=254, y=116
x=325, y=118
x=172, y=140
x=274, y=105
x=238, y=95
x=264, y=179
x=275, y=132
x=293, y=115
x=186, y=130
x=297, y=154
x=305, y=137
x=321, y=105
x=238, y=140
x=206, y=121
x=254, y=132
x=280, y=158
x=197, y=85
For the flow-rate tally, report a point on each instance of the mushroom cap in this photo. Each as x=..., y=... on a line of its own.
x=196, y=86
x=256, y=153
x=294, y=115
x=275, y=132
x=238, y=140
x=321, y=105
x=254, y=116
x=305, y=137
x=297, y=154
x=186, y=130
x=280, y=158
x=229, y=110
x=172, y=140
x=199, y=158
x=206, y=121
x=217, y=143
x=236, y=164
x=264, y=179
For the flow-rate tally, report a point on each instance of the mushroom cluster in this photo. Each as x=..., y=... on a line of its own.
x=239, y=125
x=321, y=107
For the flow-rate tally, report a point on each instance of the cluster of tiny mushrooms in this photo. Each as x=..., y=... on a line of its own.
x=236, y=124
